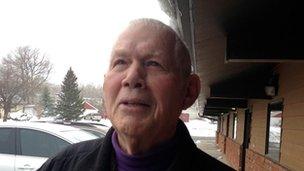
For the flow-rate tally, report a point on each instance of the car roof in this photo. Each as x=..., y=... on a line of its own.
x=99, y=127
x=37, y=125
x=55, y=129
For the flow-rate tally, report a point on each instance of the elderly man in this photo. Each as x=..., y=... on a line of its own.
x=148, y=84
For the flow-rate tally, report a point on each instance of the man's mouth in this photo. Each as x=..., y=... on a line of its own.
x=135, y=103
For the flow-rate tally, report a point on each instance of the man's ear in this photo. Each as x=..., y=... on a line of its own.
x=192, y=90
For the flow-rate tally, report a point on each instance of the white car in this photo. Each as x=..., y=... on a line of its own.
x=27, y=145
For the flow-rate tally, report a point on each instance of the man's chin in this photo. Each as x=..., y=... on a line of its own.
x=133, y=128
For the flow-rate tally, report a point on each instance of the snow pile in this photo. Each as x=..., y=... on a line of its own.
x=201, y=128
x=20, y=116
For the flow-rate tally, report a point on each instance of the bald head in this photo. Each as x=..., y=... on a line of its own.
x=168, y=37
x=148, y=84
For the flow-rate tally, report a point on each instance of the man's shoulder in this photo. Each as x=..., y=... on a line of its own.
x=75, y=155
x=82, y=148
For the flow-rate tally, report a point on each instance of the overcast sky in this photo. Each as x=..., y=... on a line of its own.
x=76, y=33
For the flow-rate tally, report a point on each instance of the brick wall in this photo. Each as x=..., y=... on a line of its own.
x=233, y=153
x=255, y=161
x=221, y=142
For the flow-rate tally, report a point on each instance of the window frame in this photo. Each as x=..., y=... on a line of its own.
x=273, y=105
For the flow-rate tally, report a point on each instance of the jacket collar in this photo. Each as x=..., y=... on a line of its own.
x=185, y=145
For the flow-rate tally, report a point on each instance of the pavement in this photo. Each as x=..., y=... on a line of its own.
x=208, y=145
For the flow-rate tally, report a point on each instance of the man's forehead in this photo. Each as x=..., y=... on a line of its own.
x=122, y=48
x=143, y=40
x=144, y=52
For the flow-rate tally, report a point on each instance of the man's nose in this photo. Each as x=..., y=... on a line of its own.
x=135, y=77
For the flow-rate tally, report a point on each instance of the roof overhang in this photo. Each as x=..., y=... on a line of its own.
x=237, y=44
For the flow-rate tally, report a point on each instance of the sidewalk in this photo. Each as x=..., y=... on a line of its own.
x=208, y=145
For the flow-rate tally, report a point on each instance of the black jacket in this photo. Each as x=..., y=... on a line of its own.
x=99, y=155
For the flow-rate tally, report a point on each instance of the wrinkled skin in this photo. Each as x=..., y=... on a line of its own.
x=143, y=92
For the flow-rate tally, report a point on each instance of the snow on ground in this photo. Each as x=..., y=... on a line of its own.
x=201, y=128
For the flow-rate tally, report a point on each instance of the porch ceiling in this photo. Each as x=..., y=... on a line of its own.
x=230, y=38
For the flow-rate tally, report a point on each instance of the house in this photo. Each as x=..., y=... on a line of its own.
x=249, y=57
x=89, y=108
x=91, y=112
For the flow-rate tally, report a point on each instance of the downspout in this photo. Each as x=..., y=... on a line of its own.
x=191, y=14
x=192, y=35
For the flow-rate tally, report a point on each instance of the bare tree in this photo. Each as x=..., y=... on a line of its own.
x=91, y=91
x=10, y=88
x=21, y=75
x=93, y=94
x=33, y=69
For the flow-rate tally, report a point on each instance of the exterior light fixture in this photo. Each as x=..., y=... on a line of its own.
x=270, y=91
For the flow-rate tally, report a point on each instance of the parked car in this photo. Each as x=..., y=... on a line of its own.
x=91, y=128
x=97, y=130
x=27, y=145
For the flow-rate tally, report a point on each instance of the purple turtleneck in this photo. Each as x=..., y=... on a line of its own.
x=157, y=159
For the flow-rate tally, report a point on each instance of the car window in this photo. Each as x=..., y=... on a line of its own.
x=37, y=143
x=7, y=141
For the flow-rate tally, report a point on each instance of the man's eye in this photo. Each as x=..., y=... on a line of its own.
x=119, y=62
x=152, y=63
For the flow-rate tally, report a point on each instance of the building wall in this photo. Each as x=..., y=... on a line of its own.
x=233, y=153
x=220, y=135
x=255, y=161
x=222, y=142
x=234, y=146
x=258, y=125
x=240, y=126
x=225, y=120
x=230, y=131
x=291, y=89
x=217, y=137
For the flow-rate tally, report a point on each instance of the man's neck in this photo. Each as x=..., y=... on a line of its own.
x=157, y=158
x=132, y=145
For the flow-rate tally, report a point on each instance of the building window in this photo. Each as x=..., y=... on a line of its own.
x=234, y=126
x=274, y=123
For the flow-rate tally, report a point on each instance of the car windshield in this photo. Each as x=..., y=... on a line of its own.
x=78, y=135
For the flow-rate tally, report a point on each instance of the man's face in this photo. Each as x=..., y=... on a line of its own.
x=143, y=91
